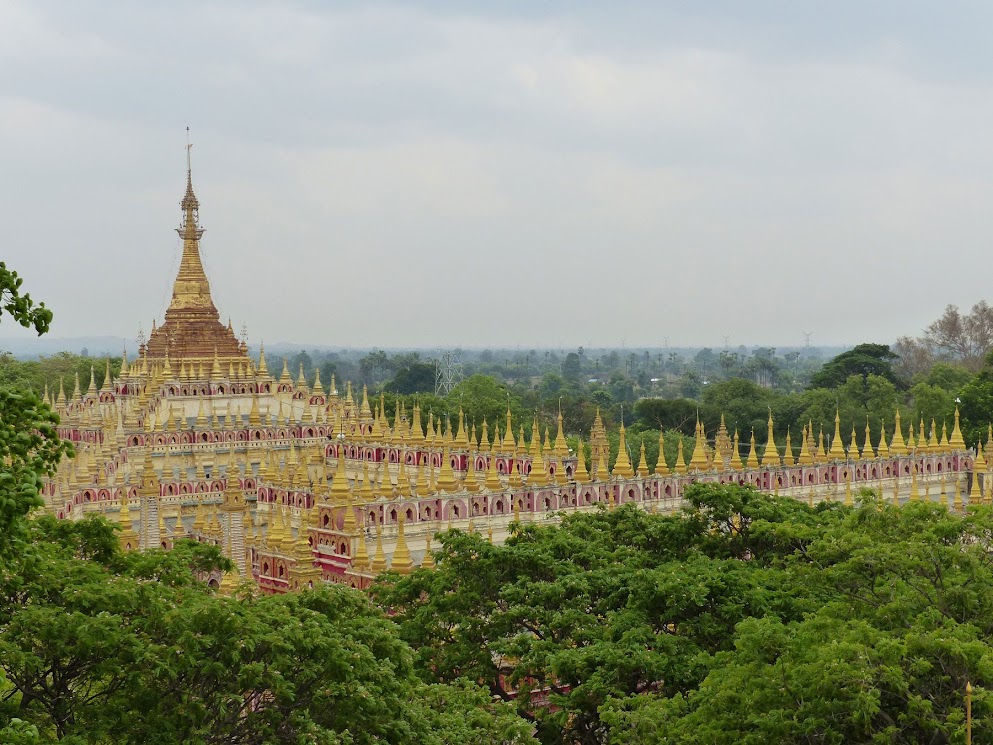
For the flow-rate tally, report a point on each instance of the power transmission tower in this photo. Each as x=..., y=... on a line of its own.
x=447, y=371
x=806, y=338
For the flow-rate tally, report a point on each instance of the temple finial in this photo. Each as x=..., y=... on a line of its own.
x=190, y=204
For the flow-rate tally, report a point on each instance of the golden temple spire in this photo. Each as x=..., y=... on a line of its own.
x=492, y=482
x=837, y=451
x=339, y=492
x=539, y=474
x=753, y=460
x=534, y=449
x=471, y=482
x=770, y=456
x=461, y=437
x=867, y=451
x=806, y=456
x=661, y=467
x=446, y=480
x=622, y=466
x=262, y=370
x=899, y=445
x=508, y=436
x=561, y=448
x=192, y=324
x=428, y=561
x=581, y=475
x=882, y=449
x=955, y=441
x=378, y=563
x=698, y=461
x=602, y=474
x=788, y=458
x=680, y=457
x=402, y=561
x=361, y=558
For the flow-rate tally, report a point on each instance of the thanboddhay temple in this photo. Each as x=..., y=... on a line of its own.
x=299, y=482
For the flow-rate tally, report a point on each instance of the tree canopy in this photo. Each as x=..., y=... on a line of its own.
x=744, y=618
x=863, y=360
x=97, y=645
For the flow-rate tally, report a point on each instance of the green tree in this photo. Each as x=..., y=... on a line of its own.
x=416, y=377
x=658, y=413
x=481, y=397
x=30, y=447
x=19, y=305
x=572, y=367
x=977, y=403
x=97, y=645
x=863, y=360
x=589, y=611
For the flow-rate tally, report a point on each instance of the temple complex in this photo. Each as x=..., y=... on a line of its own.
x=300, y=482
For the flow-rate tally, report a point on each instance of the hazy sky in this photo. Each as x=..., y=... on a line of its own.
x=513, y=173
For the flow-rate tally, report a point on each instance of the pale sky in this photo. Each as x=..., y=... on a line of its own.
x=502, y=174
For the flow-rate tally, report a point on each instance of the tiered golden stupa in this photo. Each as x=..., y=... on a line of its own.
x=192, y=328
x=299, y=484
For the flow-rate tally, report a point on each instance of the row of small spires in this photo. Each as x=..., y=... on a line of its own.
x=367, y=488
x=542, y=455
x=192, y=370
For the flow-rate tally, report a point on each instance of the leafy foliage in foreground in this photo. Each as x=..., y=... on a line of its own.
x=747, y=618
x=97, y=645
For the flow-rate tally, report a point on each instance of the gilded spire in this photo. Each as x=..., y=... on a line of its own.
x=867, y=452
x=698, y=461
x=661, y=467
x=622, y=466
x=753, y=461
x=899, y=445
x=770, y=456
x=402, y=561
x=837, y=451
x=806, y=455
x=378, y=563
x=581, y=475
x=680, y=457
x=788, y=458
x=446, y=480
x=883, y=449
x=955, y=441
x=561, y=448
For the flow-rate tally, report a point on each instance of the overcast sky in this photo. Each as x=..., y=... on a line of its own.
x=514, y=173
